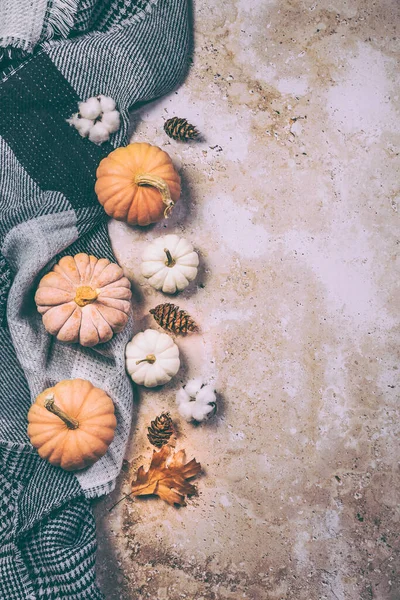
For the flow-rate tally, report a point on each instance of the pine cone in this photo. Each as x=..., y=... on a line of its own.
x=160, y=430
x=172, y=318
x=180, y=129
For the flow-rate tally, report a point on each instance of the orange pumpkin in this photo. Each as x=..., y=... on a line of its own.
x=84, y=299
x=137, y=184
x=72, y=424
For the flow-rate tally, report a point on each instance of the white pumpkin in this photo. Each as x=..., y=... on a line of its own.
x=152, y=358
x=170, y=263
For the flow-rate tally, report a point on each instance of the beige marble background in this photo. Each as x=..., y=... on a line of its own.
x=292, y=201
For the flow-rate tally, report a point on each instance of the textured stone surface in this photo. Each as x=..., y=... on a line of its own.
x=292, y=201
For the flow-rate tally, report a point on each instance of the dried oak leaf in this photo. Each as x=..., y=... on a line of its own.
x=167, y=477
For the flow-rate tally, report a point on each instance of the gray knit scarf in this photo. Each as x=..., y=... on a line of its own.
x=55, y=54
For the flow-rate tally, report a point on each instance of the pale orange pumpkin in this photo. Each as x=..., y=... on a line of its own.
x=84, y=299
x=137, y=184
x=72, y=424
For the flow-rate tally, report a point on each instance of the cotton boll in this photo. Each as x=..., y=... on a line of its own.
x=182, y=396
x=107, y=104
x=209, y=409
x=99, y=133
x=84, y=126
x=74, y=120
x=196, y=401
x=200, y=411
x=193, y=386
x=206, y=395
x=185, y=410
x=111, y=120
x=90, y=109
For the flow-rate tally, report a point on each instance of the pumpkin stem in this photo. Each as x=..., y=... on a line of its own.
x=170, y=261
x=150, y=358
x=50, y=405
x=85, y=295
x=161, y=185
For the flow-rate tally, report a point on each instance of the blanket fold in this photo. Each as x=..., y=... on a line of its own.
x=133, y=51
x=48, y=542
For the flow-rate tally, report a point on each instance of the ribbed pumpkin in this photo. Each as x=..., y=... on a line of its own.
x=84, y=299
x=72, y=424
x=137, y=184
x=170, y=263
x=152, y=358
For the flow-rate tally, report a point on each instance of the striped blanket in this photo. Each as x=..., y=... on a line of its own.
x=53, y=54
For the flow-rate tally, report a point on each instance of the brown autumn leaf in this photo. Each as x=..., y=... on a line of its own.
x=167, y=477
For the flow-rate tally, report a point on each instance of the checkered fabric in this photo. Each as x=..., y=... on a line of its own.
x=133, y=51
x=47, y=539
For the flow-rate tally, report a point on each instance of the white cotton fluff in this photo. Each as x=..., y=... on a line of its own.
x=206, y=395
x=182, y=396
x=196, y=401
x=199, y=413
x=107, y=104
x=111, y=120
x=97, y=119
x=73, y=120
x=90, y=109
x=82, y=125
x=193, y=386
x=186, y=411
x=99, y=133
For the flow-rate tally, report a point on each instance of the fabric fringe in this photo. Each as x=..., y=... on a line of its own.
x=60, y=18
x=12, y=54
x=13, y=50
